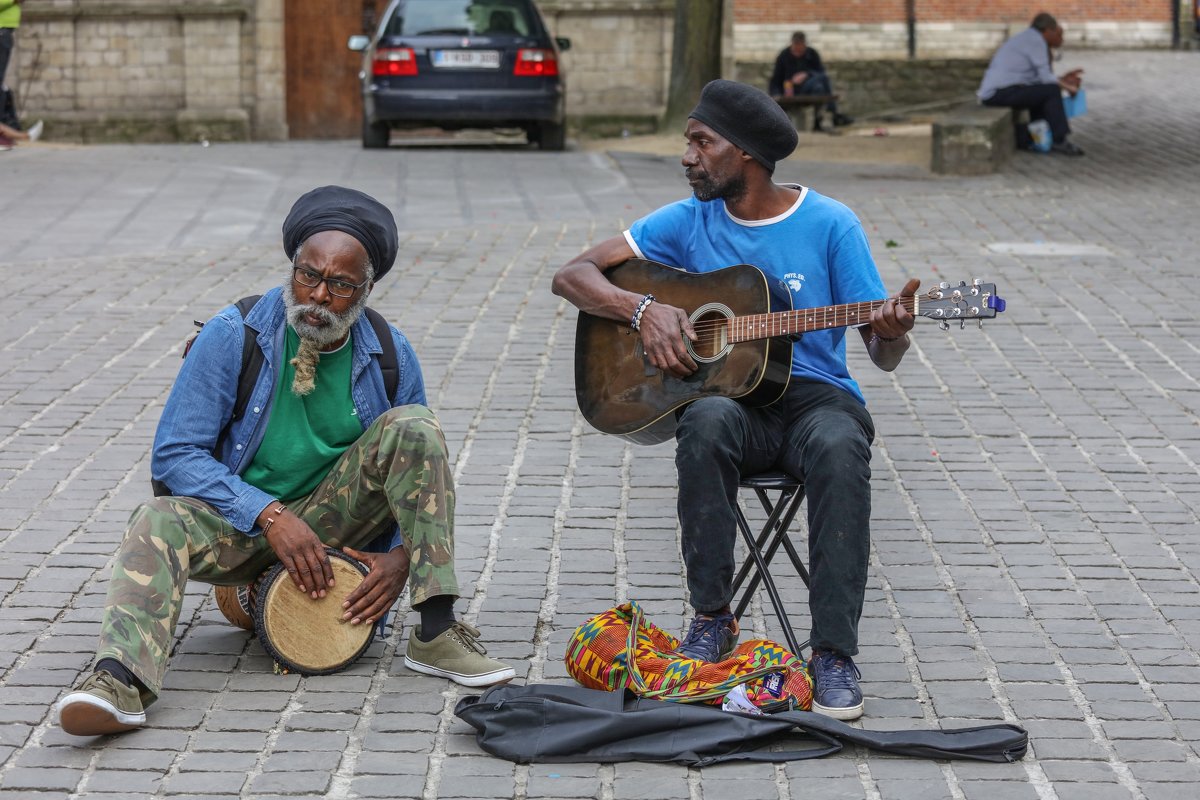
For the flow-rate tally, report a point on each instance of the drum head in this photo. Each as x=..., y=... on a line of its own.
x=305, y=635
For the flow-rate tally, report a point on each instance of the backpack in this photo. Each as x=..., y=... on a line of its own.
x=546, y=723
x=252, y=361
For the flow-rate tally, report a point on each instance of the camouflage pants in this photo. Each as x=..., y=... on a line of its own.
x=396, y=473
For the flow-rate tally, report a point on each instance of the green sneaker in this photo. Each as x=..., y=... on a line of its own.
x=456, y=654
x=102, y=704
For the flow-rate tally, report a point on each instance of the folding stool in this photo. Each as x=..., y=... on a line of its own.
x=780, y=512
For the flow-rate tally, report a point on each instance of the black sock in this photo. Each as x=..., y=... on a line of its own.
x=437, y=615
x=117, y=670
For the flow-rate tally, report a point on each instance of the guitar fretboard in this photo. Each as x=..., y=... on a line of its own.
x=803, y=320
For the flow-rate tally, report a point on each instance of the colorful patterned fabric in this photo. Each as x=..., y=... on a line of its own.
x=620, y=649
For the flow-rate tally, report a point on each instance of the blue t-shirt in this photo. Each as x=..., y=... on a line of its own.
x=817, y=248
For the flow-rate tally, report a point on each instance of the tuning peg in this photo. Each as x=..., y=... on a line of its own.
x=962, y=324
x=944, y=325
x=977, y=282
x=979, y=322
x=943, y=285
x=962, y=283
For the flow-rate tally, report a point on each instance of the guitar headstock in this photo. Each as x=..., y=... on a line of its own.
x=947, y=303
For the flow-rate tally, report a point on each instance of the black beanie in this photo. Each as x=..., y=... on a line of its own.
x=336, y=208
x=749, y=119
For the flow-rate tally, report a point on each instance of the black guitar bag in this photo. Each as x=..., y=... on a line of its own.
x=544, y=723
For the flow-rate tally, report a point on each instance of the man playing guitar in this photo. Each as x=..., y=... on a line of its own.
x=820, y=430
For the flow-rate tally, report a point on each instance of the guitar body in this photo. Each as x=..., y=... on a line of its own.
x=621, y=393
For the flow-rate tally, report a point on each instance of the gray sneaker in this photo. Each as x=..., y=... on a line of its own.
x=102, y=704
x=456, y=654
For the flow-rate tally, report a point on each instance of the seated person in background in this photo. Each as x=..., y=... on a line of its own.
x=798, y=70
x=331, y=460
x=1019, y=77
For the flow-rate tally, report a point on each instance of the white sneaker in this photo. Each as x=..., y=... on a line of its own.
x=35, y=131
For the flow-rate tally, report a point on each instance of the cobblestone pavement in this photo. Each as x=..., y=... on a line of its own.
x=1036, y=556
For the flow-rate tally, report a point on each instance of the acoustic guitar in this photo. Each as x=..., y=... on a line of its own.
x=745, y=326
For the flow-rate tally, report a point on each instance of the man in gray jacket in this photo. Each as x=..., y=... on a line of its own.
x=1020, y=77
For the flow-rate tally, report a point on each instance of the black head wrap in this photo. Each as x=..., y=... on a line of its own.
x=749, y=119
x=336, y=208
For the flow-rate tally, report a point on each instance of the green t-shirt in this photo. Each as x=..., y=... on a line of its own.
x=10, y=14
x=306, y=435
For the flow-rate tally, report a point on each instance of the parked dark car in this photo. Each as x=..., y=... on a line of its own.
x=458, y=64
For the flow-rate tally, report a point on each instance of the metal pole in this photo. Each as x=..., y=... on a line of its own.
x=1176, y=21
x=910, y=14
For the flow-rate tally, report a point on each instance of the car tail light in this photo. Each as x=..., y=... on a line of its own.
x=391, y=61
x=536, y=63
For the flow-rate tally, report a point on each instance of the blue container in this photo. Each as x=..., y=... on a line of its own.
x=1075, y=106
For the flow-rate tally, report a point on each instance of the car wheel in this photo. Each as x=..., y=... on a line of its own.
x=375, y=134
x=552, y=136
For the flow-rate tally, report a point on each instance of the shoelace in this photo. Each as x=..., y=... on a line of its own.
x=835, y=671
x=703, y=631
x=468, y=637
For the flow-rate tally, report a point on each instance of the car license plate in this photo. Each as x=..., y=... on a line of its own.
x=469, y=59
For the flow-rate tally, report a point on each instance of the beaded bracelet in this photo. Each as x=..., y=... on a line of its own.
x=636, y=322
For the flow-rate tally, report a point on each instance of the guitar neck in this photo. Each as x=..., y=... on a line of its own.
x=804, y=320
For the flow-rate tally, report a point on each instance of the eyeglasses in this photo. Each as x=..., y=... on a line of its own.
x=337, y=287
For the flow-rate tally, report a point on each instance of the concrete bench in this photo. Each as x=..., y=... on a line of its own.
x=972, y=140
x=797, y=107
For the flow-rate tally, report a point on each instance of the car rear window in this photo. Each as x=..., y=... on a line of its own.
x=461, y=18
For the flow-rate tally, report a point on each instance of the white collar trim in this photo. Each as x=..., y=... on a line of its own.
x=758, y=223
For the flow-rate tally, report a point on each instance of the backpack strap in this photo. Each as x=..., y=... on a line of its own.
x=389, y=362
x=252, y=362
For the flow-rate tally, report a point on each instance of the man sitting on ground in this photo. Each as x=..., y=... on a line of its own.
x=798, y=70
x=1019, y=77
x=322, y=457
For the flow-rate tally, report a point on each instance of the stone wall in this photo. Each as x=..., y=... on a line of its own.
x=934, y=39
x=872, y=86
x=167, y=70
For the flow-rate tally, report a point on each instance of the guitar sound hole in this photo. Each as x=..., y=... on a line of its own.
x=711, y=335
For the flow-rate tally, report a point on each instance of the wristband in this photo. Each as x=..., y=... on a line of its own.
x=271, y=520
x=636, y=321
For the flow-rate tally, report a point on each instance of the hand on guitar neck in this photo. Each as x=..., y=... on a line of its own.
x=886, y=337
x=662, y=330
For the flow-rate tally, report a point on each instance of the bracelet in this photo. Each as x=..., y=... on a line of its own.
x=636, y=321
x=878, y=338
x=271, y=520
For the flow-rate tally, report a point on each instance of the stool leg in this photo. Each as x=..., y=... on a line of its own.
x=773, y=513
x=785, y=622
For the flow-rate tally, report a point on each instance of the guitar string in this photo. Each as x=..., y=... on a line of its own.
x=823, y=313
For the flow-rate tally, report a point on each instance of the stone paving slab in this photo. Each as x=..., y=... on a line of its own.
x=1035, y=510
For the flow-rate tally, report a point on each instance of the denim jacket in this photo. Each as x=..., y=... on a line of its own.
x=202, y=399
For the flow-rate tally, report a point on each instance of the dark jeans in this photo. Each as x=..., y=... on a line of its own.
x=816, y=432
x=7, y=116
x=1043, y=101
x=6, y=48
x=818, y=83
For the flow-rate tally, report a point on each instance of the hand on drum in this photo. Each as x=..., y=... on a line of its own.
x=302, y=554
x=380, y=589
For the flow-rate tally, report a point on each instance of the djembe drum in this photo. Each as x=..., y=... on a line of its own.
x=303, y=635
